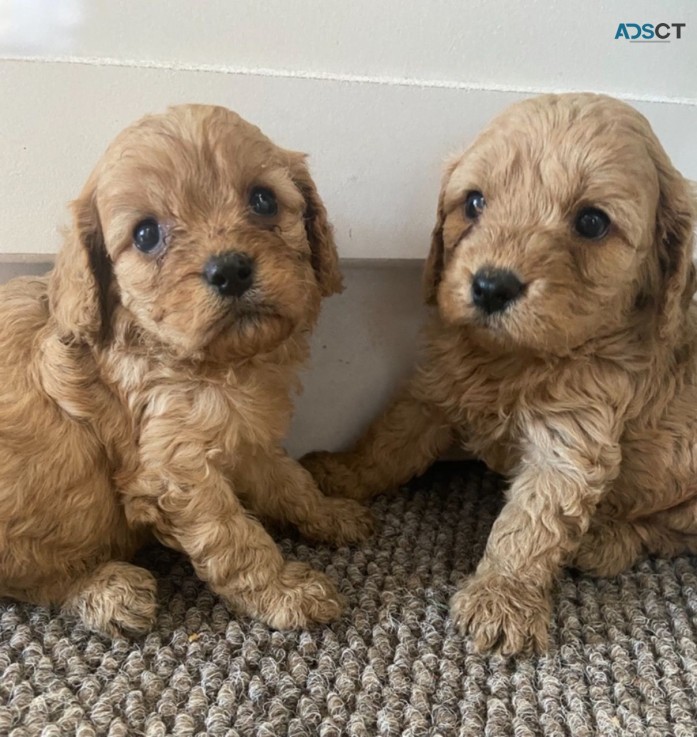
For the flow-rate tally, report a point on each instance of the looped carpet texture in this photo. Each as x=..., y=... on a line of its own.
x=623, y=658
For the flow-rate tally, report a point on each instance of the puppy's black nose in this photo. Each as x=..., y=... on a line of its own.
x=493, y=289
x=230, y=274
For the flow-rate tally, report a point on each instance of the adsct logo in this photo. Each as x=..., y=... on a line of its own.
x=649, y=33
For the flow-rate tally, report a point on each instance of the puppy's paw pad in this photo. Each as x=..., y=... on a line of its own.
x=501, y=614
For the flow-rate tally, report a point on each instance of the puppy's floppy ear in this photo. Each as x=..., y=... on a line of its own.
x=433, y=270
x=675, y=222
x=320, y=235
x=79, y=284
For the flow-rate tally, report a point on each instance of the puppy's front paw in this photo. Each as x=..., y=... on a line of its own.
x=339, y=522
x=502, y=614
x=298, y=597
x=333, y=474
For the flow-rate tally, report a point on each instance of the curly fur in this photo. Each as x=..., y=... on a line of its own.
x=584, y=391
x=135, y=400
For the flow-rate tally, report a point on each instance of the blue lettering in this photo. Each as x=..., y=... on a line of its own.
x=647, y=29
x=621, y=31
x=638, y=30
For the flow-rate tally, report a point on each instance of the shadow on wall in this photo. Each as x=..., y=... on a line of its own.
x=23, y=268
x=364, y=346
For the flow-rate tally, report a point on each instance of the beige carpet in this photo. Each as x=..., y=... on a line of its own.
x=623, y=658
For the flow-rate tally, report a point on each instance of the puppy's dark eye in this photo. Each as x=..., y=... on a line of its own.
x=147, y=235
x=592, y=223
x=262, y=201
x=474, y=205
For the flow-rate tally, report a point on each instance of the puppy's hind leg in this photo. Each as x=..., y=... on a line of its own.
x=611, y=546
x=280, y=489
x=673, y=531
x=115, y=598
x=400, y=444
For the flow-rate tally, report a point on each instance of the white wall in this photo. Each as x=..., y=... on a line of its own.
x=378, y=92
x=508, y=44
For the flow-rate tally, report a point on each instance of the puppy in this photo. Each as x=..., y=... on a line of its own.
x=146, y=381
x=564, y=355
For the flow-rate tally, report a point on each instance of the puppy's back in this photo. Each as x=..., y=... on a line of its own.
x=57, y=508
x=23, y=312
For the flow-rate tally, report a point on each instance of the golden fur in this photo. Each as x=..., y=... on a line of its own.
x=583, y=392
x=136, y=400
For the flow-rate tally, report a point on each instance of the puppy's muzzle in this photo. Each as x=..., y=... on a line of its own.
x=231, y=274
x=494, y=289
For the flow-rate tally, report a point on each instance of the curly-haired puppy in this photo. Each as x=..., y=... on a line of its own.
x=564, y=355
x=146, y=381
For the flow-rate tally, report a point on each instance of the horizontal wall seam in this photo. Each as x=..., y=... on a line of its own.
x=329, y=77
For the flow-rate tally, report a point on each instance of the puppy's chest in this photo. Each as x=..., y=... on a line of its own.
x=491, y=428
x=489, y=409
x=258, y=411
x=221, y=412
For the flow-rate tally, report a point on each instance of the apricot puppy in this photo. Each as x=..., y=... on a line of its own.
x=564, y=355
x=146, y=381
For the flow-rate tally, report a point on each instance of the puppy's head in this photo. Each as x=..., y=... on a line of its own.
x=203, y=232
x=563, y=221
